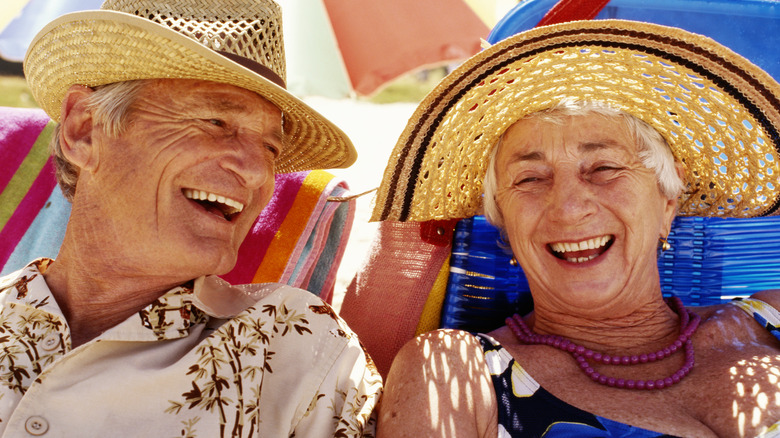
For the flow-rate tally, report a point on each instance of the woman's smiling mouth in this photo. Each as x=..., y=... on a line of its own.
x=581, y=252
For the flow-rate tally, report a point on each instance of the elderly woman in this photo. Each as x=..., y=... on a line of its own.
x=590, y=137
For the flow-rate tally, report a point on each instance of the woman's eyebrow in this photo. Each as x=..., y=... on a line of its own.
x=590, y=146
x=526, y=156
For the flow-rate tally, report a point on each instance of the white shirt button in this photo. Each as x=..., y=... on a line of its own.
x=51, y=342
x=36, y=425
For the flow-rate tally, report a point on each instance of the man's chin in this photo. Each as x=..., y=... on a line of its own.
x=223, y=266
x=203, y=263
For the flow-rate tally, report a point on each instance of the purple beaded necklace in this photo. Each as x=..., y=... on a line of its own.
x=689, y=322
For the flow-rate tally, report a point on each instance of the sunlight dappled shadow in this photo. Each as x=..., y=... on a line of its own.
x=454, y=377
x=757, y=392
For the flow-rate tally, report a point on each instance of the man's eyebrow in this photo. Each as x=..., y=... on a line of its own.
x=226, y=105
x=277, y=135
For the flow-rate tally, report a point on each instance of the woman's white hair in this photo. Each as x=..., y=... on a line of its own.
x=111, y=105
x=654, y=152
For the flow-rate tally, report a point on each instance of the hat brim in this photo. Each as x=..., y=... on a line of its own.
x=95, y=48
x=719, y=113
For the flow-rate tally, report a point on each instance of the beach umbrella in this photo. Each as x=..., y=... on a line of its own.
x=335, y=48
x=338, y=48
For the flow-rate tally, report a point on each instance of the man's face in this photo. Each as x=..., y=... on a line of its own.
x=182, y=185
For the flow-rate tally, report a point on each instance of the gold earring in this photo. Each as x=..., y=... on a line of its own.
x=513, y=261
x=665, y=245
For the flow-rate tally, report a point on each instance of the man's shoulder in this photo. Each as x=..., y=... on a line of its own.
x=288, y=301
x=279, y=294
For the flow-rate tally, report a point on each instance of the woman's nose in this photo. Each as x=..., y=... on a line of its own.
x=571, y=200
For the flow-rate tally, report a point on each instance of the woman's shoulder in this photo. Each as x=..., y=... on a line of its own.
x=422, y=348
x=445, y=368
x=771, y=297
x=751, y=318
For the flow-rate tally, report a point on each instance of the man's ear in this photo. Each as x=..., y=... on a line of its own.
x=76, y=128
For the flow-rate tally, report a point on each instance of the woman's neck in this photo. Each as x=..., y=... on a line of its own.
x=641, y=329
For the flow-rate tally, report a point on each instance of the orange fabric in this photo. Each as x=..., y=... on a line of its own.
x=381, y=40
x=286, y=238
x=384, y=302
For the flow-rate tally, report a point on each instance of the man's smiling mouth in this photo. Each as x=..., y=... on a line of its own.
x=581, y=252
x=216, y=204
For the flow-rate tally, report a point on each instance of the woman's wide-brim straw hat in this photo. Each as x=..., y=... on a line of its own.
x=237, y=42
x=719, y=113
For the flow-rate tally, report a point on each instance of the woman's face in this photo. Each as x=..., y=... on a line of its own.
x=582, y=213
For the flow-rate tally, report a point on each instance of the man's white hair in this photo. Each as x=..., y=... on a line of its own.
x=111, y=105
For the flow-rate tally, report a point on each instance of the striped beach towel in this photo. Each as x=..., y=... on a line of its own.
x=298, y=239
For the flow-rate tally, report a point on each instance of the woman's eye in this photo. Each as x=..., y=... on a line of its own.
x=604, y=173
x=216, y=122
x=527, y=180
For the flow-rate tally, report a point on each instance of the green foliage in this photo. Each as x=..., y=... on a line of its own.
x=15, y=92
x=410, y=88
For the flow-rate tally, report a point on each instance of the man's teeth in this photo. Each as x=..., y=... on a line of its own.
x=200, y=195
x=564, y=247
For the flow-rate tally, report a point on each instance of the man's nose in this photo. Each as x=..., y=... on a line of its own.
x=249, y=162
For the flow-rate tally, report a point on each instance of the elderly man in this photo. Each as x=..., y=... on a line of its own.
x=173, y=120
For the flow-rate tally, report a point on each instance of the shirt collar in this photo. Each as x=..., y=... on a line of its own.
x=173, y=314
x=170, y=316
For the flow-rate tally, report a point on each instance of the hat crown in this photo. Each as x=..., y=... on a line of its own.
x=248, y=29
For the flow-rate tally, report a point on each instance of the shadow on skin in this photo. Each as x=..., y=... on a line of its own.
x=757, y=391
x=457, y=393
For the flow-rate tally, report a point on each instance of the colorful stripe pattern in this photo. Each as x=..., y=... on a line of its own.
x=298, y=239
x=28, y=180
x=305, y=233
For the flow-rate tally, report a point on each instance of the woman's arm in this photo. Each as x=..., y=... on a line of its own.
x=770, y=296
x=439, y=386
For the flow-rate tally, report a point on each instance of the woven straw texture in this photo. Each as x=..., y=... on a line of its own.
x=719, y=113
x=180, y=39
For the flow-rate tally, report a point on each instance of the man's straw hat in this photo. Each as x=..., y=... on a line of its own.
x=719, y=113
x=237, y=42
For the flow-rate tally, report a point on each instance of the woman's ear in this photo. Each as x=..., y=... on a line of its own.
x=670, y=209
x=76, y=128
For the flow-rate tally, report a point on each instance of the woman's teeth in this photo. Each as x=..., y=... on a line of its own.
x=561, y=249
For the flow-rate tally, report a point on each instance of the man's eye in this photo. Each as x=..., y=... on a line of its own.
x=273, y=149
x=216, y=122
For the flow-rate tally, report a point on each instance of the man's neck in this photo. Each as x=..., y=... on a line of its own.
x=95, y=296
